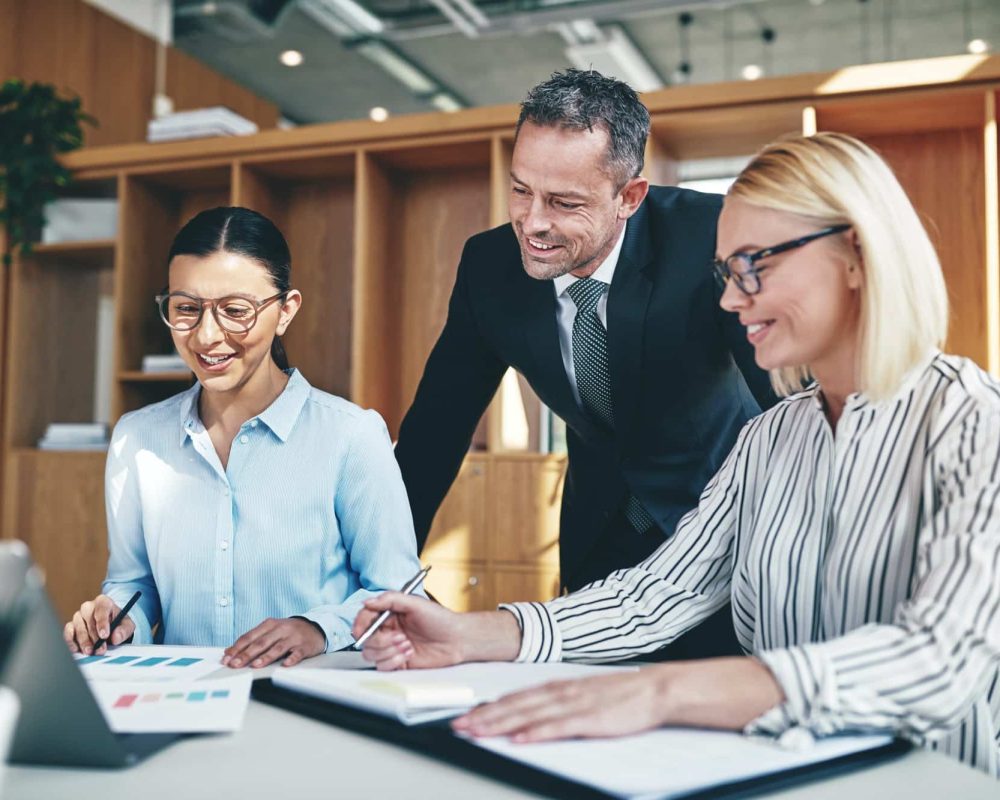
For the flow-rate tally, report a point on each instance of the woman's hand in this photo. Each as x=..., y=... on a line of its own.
x=421, y=634
x=723, y=693
x=93, y=622
x=291, y=639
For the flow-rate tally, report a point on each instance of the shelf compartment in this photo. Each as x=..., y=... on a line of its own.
x=312, y=203
x=97, y=253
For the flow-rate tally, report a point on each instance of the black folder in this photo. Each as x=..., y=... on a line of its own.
x=436, y=740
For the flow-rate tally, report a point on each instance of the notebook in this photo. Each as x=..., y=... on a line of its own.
x=417, y=696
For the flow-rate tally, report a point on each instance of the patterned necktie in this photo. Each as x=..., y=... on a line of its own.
x=593, y=376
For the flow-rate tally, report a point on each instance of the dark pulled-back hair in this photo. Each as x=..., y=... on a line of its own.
x=584, y=100
x=232, y=229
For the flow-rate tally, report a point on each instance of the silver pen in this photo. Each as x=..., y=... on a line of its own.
x=408, y=588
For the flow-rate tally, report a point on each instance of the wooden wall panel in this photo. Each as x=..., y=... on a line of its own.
x=943, y=174
x=440, y=209
x=55, y=503
x=110, y=66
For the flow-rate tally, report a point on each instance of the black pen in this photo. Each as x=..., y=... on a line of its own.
x=409, y=588
x=114, y=623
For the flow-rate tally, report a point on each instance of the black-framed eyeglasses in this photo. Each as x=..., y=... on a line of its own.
x=181, y=311
x=742, y=267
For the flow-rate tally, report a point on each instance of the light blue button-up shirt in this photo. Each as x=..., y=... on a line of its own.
x=309, y=518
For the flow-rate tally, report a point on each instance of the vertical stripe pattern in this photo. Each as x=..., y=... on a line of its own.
x=863, y=565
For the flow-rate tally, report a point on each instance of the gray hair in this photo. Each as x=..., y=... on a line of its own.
x=584, y=99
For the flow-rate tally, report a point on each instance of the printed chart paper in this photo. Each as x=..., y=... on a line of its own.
x=155, y=663
x=214, y=706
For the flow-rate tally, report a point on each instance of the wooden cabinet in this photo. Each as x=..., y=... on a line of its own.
x=376, y=215
x=496, y=537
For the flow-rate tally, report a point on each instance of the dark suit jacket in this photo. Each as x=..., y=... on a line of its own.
x=683, y=376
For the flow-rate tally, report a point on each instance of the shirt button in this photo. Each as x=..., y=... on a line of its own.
x=223, y=601
x=253, y=424
x=244, y=439
x=225, y=546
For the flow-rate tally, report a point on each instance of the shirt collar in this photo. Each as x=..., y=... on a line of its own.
x=859, y=400
x=280, y=416
x=603, y=273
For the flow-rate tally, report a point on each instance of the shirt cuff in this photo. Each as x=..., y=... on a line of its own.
x=541, y=639
x=803, y=677
x=335, y=629
x=143, y=630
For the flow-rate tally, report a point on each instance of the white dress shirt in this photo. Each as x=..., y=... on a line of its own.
x=566, y=311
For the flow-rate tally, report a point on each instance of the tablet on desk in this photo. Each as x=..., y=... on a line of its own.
x=60, y=722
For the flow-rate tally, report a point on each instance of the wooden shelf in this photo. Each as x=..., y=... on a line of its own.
x=137, y=376
x=99, y=253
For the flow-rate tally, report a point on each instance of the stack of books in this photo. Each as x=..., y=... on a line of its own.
x=75, y=436
x=199, y=123
x=168, y=363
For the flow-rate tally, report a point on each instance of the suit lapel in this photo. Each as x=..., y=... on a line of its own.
x=628, y=300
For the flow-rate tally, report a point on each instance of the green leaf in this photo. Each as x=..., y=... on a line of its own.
x=36, y=124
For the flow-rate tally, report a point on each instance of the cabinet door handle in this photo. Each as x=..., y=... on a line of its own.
x=473, y=580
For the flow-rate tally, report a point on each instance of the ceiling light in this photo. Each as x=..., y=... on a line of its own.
x=751, y=72
x=379, y=114
x=443, y=101
x=291, y=58
x=407, y=73
x=343, y=17
x=616, y=55
x=977, y=46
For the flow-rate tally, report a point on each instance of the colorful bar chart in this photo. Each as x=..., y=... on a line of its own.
x=133, y=661
x=129, y=699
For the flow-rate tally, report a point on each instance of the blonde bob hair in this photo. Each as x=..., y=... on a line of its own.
x=831, y=179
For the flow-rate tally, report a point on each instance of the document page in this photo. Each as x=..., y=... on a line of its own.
x=415, y=696
x=672, y=762
x=176, y=707
x=157, y=663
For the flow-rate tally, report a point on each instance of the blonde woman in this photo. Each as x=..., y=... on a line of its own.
x=855, y=526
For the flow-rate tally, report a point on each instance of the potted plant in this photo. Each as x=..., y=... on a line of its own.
x=36, y=126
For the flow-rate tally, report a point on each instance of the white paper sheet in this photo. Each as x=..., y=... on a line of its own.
x=672, y=761
x=152, y=663
x=175, y=707
x=442, y=693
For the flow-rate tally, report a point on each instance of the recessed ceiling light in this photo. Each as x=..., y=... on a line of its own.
x=379, y=114
x=751, y=72
x=977, y=46
x=291, y=58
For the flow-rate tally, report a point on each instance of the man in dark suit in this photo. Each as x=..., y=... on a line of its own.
x=600, y=294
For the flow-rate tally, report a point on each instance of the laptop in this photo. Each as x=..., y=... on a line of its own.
x=60, y=722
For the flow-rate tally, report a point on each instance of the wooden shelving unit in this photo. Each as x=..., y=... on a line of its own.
x=376, y=215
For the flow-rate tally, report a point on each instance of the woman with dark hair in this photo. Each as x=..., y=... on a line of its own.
x=252, y=510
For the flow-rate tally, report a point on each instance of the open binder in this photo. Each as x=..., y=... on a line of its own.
x=437, y=740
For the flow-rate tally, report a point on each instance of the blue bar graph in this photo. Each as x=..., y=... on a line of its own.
x=183, y=662
x=90, y=660
x=196, y=696
x=150, y=662
x=122, y=660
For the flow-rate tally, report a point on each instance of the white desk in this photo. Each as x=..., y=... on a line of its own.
x=281, y=755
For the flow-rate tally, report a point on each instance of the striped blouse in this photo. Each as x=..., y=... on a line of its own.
x=863, y=565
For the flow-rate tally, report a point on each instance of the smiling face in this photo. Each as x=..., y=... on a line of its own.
x=807, y=312
x=221, y=360
x=565, y=211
